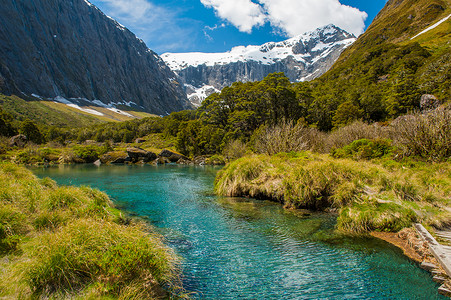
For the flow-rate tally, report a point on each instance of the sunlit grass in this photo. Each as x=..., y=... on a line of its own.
x=367, y=195
x=67, y=242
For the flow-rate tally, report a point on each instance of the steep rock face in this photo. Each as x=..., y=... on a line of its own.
x=304, y=57
x=70, y=49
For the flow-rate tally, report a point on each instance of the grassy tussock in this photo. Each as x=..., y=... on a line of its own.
x=67, y=242
x=368, y=196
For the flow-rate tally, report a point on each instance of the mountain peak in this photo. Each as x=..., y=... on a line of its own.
x=303, y=57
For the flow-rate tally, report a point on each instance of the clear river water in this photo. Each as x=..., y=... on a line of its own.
x=234, y=248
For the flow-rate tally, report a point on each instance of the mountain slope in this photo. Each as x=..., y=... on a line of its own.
x=390, y=70
x=69, y=48
x=400, y=21
x=304, y=57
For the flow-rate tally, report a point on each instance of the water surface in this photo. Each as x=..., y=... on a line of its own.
x=236, y=248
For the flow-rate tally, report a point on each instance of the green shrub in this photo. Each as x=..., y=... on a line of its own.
x=215, y=160
x=364, y=149
x=89, y=153
x=31, y=131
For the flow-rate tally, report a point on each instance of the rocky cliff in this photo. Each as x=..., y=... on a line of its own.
x=304, y=57
x=70, y=49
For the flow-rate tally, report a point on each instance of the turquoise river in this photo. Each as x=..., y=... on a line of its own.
x=234, y=248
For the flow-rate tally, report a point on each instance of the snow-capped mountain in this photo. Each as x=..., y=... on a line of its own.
x=301, y=58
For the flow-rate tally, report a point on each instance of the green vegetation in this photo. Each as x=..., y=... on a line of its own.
x=364, y=149
x=43, y=114
x=71, y=242
x=384, y=196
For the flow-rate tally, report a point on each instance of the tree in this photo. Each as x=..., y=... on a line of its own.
x=31, y=131
x=346, y=113
x=6, y=127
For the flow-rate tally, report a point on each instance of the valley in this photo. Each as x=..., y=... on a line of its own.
x=270, y=166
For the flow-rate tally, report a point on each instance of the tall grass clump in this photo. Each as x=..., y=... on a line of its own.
x=104, y=256
x=67, y=242
x=286, y=137
x=366, y=195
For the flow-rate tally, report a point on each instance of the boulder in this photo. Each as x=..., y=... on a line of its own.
x=140, y=141
x=137, y=154
x=183, y=161
x=18, y=141
x=162, y=160
x=172, y=156
x=429, y=102
x=114, y=157
x=200, y=160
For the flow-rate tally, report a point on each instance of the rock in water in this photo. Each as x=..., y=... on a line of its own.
x=137, y=154
x=70, y=49
x=172, y=156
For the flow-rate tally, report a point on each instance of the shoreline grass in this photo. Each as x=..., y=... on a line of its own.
x=369, y=196
x=68, y=242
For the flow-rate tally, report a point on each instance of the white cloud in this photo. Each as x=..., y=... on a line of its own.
x=292, y=17
x=243, y=14
x=298, y=16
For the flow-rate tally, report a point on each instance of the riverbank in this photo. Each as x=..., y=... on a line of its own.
x=62, y=241
x=402, y=240
x=152, y=149
x=382, y=196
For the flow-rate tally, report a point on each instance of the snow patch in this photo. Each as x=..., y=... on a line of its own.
x=432, y=27
x=95, y=102
x=87, y=110
x=62, y=100
x=121, y=112
x=99, y=103
x=36, y=96
x=197, y=95
x=118, y=25
x=87, y=2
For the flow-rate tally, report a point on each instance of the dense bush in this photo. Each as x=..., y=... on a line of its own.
x=427, y=136
x=364, y=149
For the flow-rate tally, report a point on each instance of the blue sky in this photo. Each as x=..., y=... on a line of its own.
x=219, y=25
